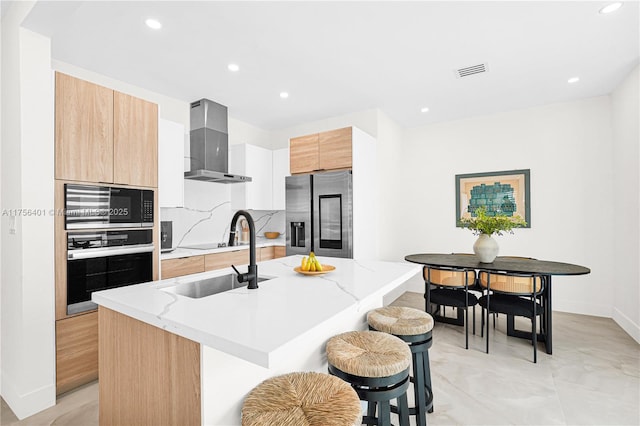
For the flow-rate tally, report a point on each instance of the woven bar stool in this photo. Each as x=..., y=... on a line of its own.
x=377, y=366
x=294, y=399
x=414, y=327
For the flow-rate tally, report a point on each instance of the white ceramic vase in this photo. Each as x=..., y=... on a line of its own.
x=486, y=248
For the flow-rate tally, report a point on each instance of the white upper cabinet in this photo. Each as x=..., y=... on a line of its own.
x=267, y=169
x=255, y=162
x=280, y=171
x=171, y=137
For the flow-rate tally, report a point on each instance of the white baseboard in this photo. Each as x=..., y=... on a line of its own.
x=572, y=307
x=631, y=328
x=30, y=403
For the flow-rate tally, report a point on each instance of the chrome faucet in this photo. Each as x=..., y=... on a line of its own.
x=252, y=275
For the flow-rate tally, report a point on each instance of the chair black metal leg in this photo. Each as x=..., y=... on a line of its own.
x=474, y=320
x=488, y=313
x=534, y=334
x=466, y=327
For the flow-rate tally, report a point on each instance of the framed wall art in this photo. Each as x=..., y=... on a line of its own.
x=506, y=193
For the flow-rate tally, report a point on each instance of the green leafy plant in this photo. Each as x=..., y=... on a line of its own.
x=485, y=224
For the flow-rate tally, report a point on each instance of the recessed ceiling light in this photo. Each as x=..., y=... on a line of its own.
x=425, y=109
x=611, y=7
x=233, y=67
x=284, y=95
x=573, y=80
x=154, y=24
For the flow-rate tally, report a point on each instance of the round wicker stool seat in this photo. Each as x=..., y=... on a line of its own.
x=376, y=364
x=400, y=321
x=414, y=327
x=302, y=399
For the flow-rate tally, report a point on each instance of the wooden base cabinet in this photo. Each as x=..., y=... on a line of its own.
x=172, y=268
x=280, y=251
x=76, y=351
x=226, y=259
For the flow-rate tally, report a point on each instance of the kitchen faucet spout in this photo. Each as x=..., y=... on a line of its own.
x=252, y=275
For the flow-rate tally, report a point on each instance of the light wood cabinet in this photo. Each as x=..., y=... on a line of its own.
x=330, y=150
x=135, y=141
x=280, y=251
x=83, y=130
x=76, y=351
x=191, y=265
x=104, y=136
x=181, y=266
x=303, y=154
x=226, y=259
x=334, y=149
x=266, y=253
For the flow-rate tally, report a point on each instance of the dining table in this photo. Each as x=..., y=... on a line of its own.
x=509, y=264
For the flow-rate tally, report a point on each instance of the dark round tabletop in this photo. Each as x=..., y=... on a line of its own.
x=502, y=263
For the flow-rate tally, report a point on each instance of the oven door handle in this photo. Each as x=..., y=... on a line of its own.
x=108, y=251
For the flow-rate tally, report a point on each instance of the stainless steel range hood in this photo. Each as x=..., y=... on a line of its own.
x=209, y=142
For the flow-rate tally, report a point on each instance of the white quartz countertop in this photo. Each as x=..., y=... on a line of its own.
x=187, y=252
x=254, y=324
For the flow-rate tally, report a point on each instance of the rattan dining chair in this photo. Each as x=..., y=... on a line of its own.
x=513, y=295
x=450, y=287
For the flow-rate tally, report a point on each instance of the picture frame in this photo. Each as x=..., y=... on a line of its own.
x=506, y=192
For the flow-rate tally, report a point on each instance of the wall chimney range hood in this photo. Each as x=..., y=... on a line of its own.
x=209, y=143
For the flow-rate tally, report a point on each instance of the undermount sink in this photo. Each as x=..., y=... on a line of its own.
x=209, y=286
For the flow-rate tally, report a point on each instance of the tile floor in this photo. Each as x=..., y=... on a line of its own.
x=593, y=378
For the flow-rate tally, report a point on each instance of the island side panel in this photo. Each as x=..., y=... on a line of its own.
x=148, y=376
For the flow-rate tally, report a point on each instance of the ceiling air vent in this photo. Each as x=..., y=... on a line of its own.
x=472, y=70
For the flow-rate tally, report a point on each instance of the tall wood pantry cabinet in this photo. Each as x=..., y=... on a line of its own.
x=101, y=137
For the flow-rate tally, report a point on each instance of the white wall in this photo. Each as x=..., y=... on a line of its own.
x=566, y=146
x=626, y=192
x=28, y=357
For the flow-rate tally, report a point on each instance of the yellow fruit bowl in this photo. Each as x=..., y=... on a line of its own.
x=325, y=269
x=272, y=235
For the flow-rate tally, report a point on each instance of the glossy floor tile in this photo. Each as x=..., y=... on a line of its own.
x=592, y=378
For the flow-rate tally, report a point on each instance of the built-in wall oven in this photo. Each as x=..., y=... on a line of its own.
x=100, y=260
x=100, y=257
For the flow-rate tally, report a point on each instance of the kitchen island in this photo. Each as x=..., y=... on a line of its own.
x=166, y=358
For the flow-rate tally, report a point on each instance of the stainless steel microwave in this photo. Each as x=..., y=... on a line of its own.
x=88, y=207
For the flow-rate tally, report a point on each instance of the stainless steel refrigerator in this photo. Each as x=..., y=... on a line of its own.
x=319, y=214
